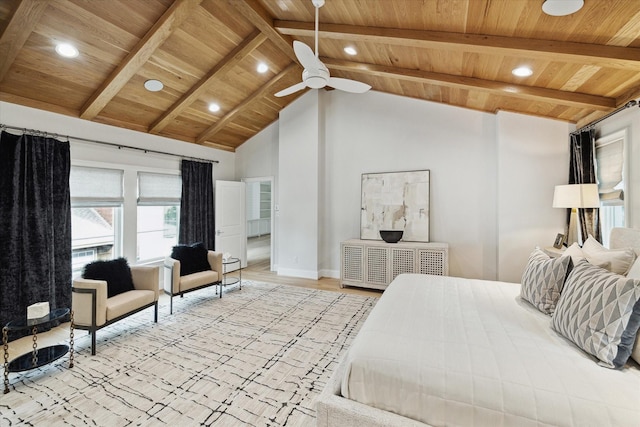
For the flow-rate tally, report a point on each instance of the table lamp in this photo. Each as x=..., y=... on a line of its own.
x=575, y=196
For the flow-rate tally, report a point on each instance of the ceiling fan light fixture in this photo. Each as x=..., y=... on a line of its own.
x=522, y=72
x=315, y=74
x=561, y=7
x=350, y=50
x=67, y=50
x=153, y=85
x=214, y=108
x=262, y=68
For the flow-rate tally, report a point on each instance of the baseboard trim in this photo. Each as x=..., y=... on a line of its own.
x=305, y=274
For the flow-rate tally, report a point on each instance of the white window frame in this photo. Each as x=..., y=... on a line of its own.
x=623, y=135
x=159, y=202
x=128, y=221
x=118, y=222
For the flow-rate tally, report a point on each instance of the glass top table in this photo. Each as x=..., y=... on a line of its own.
x=39, y=356
x=24, y=323
x=226, y=280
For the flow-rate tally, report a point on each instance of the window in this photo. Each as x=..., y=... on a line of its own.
x=96, y=215
x=611, y=183
x=158, y=214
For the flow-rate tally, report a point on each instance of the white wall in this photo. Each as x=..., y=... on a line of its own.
x=298, y=187
x=131, y=161
x=533, y=157
x=377, y=132
x=258, y=158
x=474, y=159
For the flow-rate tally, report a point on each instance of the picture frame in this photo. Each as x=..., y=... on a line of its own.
x=559, y=241
x=395, y=201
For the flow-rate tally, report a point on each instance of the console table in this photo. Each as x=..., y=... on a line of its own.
x=375, y=263
x=39, y=356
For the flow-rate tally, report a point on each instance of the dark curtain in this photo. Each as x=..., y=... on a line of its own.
x=196, y=205
x=582, y=170
x=35, y=224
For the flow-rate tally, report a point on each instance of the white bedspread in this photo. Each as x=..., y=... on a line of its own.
x=449, y=351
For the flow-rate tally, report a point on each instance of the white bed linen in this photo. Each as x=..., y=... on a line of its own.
x=450, y=351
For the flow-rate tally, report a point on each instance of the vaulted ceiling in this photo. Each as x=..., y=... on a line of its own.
x=457, y=52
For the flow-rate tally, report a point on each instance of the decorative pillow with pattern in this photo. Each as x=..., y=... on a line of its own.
x=543, y=279
x=634, y=273
x=599, y=311
x=620, y=260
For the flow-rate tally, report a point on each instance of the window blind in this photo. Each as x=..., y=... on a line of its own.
x=159, y=189
x=96, y=186
x=609, y=160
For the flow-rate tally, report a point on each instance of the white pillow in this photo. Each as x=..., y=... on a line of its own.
x=575, y=252
x=621, y=259
x=634, y=271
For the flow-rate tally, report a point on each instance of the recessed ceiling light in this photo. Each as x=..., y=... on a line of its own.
x=561, y=7
x=67, y=50
x=522, y=72
x=262, y=67
x=213, y=107
x=153, y=85
x=350, y=50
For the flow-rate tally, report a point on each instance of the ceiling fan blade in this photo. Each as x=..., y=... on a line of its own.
x=291, y=89
x=306, y=56
x=348, y=85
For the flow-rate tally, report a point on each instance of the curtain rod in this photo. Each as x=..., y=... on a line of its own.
x=616, y=111
x=93, y=141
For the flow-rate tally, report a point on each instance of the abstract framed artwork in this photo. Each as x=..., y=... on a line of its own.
x=395, y=201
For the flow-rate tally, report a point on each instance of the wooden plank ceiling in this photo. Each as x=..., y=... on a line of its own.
x=457, y=52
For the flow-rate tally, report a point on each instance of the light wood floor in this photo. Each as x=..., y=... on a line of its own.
x=259, y=264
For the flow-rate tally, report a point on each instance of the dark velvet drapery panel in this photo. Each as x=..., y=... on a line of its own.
x=582, y=170
x=196, y=205
x=35, y=224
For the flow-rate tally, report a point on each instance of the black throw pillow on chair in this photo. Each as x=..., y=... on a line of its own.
x=115, y=272
x=193, y=258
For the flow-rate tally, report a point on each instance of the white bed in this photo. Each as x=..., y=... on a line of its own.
x=447, y=351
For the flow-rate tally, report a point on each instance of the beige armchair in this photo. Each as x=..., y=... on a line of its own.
x=92, y=310
x=175, y=284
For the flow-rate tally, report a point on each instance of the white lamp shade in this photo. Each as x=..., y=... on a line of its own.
x=576, y=196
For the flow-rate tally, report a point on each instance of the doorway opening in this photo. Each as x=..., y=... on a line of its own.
x=259, y=223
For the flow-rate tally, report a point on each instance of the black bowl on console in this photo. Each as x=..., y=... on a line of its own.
x=391, y=236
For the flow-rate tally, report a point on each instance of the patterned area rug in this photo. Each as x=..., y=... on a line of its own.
x=257, y=357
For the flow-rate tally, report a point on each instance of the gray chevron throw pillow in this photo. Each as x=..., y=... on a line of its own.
x=543, y=279
x=600, y=312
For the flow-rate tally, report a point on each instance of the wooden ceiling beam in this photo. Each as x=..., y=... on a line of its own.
x=243, y=50
x=471, y=83
x=155, y=37
x=23, y=20
x=34, y=103
x=261, y=19
x=239, y=109
x=552, y=50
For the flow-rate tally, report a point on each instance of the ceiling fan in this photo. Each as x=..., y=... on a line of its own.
x=315, y=74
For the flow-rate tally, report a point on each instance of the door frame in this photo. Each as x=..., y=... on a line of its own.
x=272, y=222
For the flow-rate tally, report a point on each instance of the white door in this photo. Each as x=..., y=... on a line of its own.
x=231, y=233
